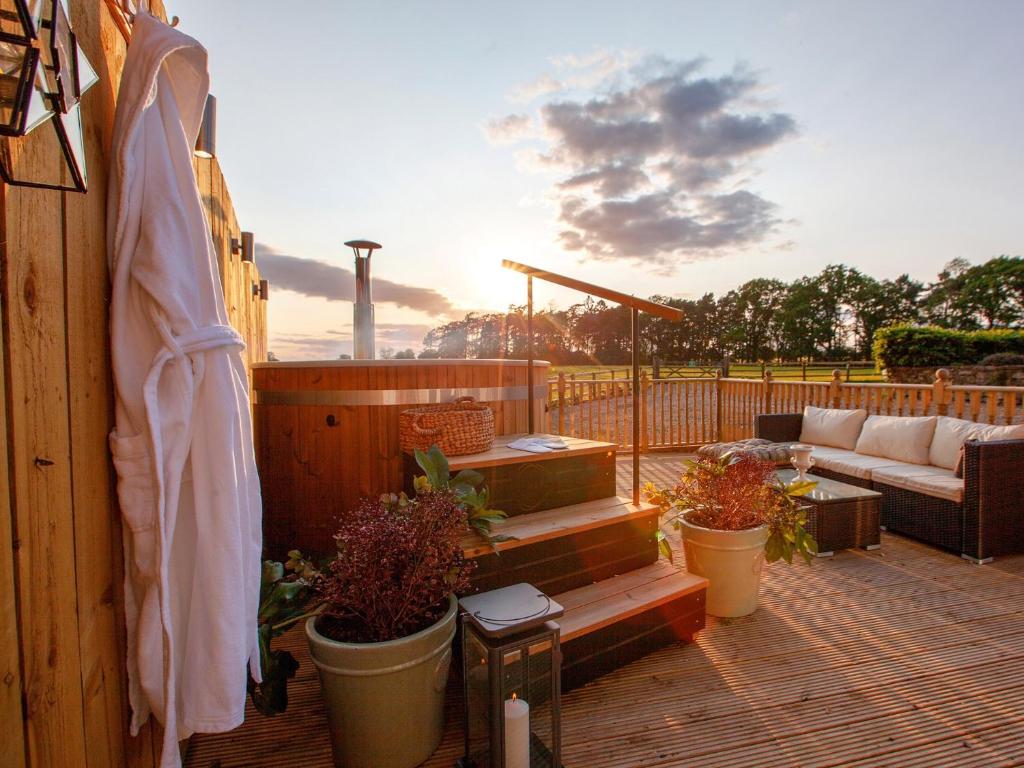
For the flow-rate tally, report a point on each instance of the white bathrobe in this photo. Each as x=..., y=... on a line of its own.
x=182, y=444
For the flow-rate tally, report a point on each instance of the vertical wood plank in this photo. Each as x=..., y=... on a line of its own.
x=13, y=753
x=90, y=401
x=34, y=326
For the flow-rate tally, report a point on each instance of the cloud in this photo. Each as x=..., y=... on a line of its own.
x=655, y=157
x=508, y=129
x=320, y=279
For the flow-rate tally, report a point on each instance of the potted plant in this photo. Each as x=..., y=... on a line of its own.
x=382, y=641
x=734, y=513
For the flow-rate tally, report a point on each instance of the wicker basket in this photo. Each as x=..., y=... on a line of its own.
x=458, y=428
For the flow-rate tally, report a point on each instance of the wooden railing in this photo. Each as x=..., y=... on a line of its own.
x=683, y=413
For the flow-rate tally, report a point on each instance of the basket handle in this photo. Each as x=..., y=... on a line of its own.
x=420, y=430
x=465, y=399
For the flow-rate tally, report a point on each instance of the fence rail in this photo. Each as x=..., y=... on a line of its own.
x=686, y=412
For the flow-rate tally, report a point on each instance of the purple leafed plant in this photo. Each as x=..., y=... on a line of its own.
x=398, y=561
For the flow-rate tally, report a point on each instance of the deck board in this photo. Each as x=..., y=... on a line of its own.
x=904, y=657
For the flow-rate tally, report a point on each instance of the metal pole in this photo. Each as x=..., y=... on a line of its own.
x=529, y=350
x=636, y=404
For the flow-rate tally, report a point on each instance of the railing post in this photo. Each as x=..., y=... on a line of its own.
x=561, y=402
x=656, y=363
x=763, y=369
x=803, y=370
x=719, y=420
x=835, y=388
x=767, y=392
x=725, y=366
x=942, y=395
x=644, y=387
x=847, y=372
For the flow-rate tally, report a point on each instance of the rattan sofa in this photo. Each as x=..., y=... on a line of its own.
x=988, y=522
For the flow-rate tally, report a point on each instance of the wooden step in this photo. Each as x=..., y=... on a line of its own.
x=521, y=483
x=560, y=549
x=616, y=621
x=554, y=523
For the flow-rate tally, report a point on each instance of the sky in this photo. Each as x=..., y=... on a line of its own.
x=670, y=148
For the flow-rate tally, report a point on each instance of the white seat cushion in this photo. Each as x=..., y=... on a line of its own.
x=852, y=463
x=904, y=438
x=931, y=481
x=831, y=427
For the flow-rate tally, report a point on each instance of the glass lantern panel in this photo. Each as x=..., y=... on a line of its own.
x=477, y=690
x=540, y=692
x=15, y=58
x=11, y=19
x=40, y=107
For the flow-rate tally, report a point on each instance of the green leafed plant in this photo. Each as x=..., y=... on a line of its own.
x=468, y=487
x=285, y=591
x=735, y=493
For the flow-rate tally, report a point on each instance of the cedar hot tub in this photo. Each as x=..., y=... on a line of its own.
x=327, y=432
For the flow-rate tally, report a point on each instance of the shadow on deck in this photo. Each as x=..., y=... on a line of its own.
x=904, y=656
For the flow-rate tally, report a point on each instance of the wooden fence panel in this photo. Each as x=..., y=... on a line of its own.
x=61, y=563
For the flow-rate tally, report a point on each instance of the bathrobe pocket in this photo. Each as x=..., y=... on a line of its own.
x=137, y=494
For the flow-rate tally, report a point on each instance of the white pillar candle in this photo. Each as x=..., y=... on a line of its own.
x=517, y=733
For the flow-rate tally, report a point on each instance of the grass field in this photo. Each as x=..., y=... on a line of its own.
x=817, y=372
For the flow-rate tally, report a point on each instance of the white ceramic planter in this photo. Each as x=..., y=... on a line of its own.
x=385, y=701
x=731, y=561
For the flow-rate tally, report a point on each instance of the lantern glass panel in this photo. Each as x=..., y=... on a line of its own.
x=17, y=62
x=477, y=689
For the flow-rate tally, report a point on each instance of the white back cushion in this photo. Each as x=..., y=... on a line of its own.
x=950, y=435
x=903, y=438
x=987, y=432
x=831, y=426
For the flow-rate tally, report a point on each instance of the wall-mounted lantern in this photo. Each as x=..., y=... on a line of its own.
x=261, y=289
x=43, y=74
x=206, y=140
x=511, y=672
x=245, y=246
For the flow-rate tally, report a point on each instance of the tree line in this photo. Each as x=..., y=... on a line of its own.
x=829, y=316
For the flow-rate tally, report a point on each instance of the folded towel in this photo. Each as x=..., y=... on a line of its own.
x=542, y=444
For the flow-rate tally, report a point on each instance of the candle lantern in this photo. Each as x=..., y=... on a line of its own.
x=511, y=671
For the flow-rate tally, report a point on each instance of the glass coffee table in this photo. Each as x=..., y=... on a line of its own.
x=840, y=515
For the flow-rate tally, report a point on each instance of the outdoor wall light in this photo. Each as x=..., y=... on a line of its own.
x=206, y=141
x=43, y=74
x=246, y=246
x=261, y=289
x=511, y=673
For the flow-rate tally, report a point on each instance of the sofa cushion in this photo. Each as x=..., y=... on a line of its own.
x=950, y=435
x=850, y=463
x=831, y=427
x=777, y=453
x=931, y=481
x=904, y=438
x=987, y=433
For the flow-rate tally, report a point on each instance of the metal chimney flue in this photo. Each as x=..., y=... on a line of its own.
x=363, y=347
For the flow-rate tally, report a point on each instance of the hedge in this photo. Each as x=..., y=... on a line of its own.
x=899, y=346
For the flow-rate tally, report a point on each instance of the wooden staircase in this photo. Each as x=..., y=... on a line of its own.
x=597, y=556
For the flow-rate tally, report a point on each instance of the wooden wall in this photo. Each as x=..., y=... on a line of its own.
x=62, y=685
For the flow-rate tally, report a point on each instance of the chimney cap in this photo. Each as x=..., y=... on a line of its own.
x=369, y=244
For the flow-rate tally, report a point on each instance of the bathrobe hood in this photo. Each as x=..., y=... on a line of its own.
x=182, y=443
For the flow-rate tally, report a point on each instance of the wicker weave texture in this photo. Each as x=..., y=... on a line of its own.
x=457, y=428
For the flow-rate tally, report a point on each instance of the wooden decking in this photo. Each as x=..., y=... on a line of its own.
x=904, y=657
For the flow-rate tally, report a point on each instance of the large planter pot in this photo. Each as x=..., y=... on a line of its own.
x=385, y=701
x=731, y=561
